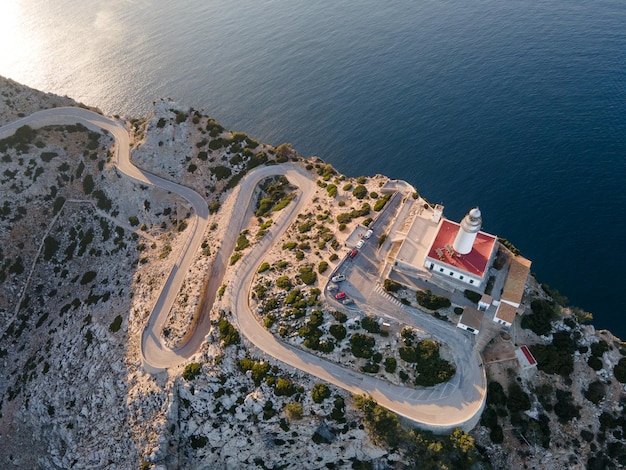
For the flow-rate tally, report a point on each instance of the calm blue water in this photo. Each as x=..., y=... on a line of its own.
x=518, y=107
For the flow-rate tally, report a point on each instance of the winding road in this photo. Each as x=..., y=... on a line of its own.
x=457, y=403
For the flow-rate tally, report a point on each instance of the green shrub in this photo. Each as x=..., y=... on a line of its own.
x=595, y=392
x=370, y=325
x=88, y=277
x=192, y=370
x=307, y=275
x=539, y=321
x=198, y=442
x=620, y=370
x=116, y=324
x=390, y=365
x=294, y=410
x=380, y=203
x=361, y=345
x=242, y=242
x=221, y=172
x=381, y=240
x=320, y=392
x=284, y=282
x=214, y=207
x=234, y=258
x=322, y=267
x=391, y=286
x=370, y=368
x=264, y=267
x=518, y=400
x=472, y=296
x=289, y=245
x=51, y=245
x=284, y=387
x=553, y=360
x=432, y=301
x=228, y=333
x=359, y=192
x=88, y=184
x=338, y=331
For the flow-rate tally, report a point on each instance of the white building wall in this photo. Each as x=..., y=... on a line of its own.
x=444, y=270
x=466, y=328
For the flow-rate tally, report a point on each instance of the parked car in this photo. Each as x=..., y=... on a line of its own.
x=333, y=288
x=347, y=301
x=338, y=278
x=353, y=253
x=368, y=234
x=340, y=295
x=360, y=244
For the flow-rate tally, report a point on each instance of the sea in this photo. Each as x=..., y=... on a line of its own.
x=517, y=107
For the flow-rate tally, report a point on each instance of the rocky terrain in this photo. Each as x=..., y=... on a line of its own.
x=84, y=252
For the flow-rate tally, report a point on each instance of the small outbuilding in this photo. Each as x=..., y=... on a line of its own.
x=471, y=320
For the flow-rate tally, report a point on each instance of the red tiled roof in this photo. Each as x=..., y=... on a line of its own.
x=531, y=359
x=475, y=262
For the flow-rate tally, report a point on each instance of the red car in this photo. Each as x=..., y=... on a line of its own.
x=340, y=295
x=353, y=253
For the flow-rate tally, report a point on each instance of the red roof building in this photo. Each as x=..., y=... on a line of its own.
x=471, y=268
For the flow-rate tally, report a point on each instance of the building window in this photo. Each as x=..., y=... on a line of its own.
x=460, y=277
x=451, y=273
x=471, y=281
x=440, y=270
x=432, y=265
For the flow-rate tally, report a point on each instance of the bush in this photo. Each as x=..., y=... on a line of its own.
x=284, y=387
x=284, y=282
x=88, y=277
x=307, y=275
x=497, y=435
x=116, y=324
x=192, y=370
x=432, y=301
x=565, y=408
x=338, y=331
x=595, y=392
x=518, y=399
x=88, y=184
x=228, y=333
x=320, y=392
x=378, y=206
x=595, y=363
x=322, y=267
x=51, y=245
x=359, y=191
x=620, y=370
x=264, y=267
x=361, y=345
x=294, y=410
x=472, y=296
x=214, y=207
x=540, y=320
x=391, y=286
x=370, y=368
x=221, y=172
x=390, y=365
x=551, y=360
x=370, y=325
x=198, y=442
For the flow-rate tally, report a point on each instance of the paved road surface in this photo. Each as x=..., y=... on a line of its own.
x=457, y=403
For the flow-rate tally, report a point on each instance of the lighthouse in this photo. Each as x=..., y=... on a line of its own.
x=468, y=229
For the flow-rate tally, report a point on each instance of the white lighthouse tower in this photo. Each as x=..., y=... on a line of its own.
x=468, y=229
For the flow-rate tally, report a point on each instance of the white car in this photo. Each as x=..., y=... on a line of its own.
x=360, y=244
x=368, y=234
x=338, y=278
